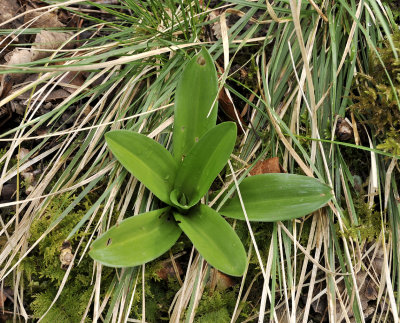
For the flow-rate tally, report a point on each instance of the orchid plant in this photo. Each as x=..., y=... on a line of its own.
x=200, y=150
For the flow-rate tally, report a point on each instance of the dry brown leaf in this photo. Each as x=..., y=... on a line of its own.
x=23, y=152
x=18, y=56
x=17, y=108
x=227, y=106
x=5, y=292
x=71, y=81
x=167, y=270
x=54, y=95
x=270, y=165
x=8, y=10
x=8, y=191
x=5, y=85
x=42, y=19
x=377, y=261
x=6, y=41
x=219, y=281
x=371, y=292
x=368, y=294
x=49, y=40
x=216, y=26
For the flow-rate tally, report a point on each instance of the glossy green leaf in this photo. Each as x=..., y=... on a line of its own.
x=146, y=159
x=195, y=95
x=204, y=162
x=214, y=238
x=277, y=197
x=136, y=240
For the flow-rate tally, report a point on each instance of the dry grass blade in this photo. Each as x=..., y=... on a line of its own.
x=289, y=70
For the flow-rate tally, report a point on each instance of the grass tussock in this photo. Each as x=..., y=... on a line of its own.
x=312, y=83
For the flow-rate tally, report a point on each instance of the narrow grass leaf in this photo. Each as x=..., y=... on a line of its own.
x=136, y=240
x=194, y=98
x=146, y=159
x=214, y=238
x=277, y=197
x=204, y=162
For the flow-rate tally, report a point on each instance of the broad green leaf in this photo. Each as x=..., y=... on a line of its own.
x=204, y=162
x=146, y=159
x=277, y=197
x=195, y=94
x=136, y=240
x=214, y=238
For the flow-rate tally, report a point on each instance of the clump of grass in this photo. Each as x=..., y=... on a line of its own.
x=302, y=68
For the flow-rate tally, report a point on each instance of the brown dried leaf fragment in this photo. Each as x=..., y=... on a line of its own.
x=8, y=10
x=71, y=81
x=18, y=56
x=42, y=19
x=52, y=96
x=228, y=107
x=5, y=293
x=270, y=165
x=219, y=281
x=167, y=270
x=48, y=41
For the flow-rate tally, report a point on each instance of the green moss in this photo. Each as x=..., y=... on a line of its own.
x=42, y=268
x=392, y=142
x=370, y=222
x=68, y=308
x=216, y=307
x=375, y=100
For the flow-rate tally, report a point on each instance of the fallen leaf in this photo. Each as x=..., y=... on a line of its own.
x=167, y=270
x=17, y=108
x=42, y=19
x=8, y=10
x=228, y=107
x=18, y=56
x=71, y=81
x=22, y=153
x=216, y=26
x=54, y=95
x=5, y=85
x=270, y=165
x=371, y=292
x=378, y=261
x=49, y=40
x=8, y=191
x=5, y=293
x=219, y=281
